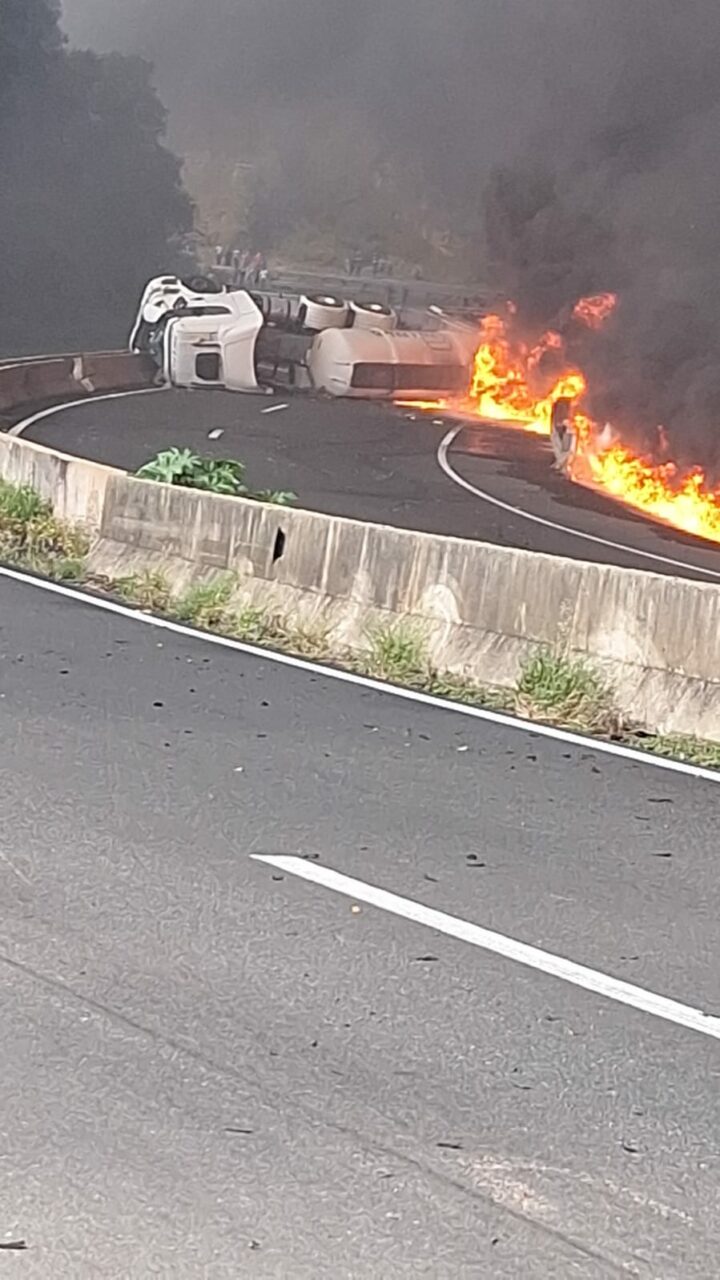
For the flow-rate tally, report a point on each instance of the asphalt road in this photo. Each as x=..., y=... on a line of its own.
x=214, y=1069
x=371, y=462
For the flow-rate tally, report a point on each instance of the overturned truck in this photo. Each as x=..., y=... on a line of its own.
x=201, y=336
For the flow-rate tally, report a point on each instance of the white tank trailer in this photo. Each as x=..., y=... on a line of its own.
x=201, y=336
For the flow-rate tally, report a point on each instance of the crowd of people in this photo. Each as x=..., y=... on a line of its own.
x=376, y=264
x=250, y=269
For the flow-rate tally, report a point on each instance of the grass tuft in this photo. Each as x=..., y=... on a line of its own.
x=565, y=691
x=68, y=570
x=148, y=590
x=678, y=746
x=206, y=605
x=461, y=689
x=249, y=624
x=33, y=538
x=396, y=653
x=20, y=502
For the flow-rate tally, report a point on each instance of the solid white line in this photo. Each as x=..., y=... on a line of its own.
x=364, y=682
x=601, y=984
x=55, y=409
x=443, y=460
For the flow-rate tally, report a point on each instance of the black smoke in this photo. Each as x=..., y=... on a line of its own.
x=569, y=145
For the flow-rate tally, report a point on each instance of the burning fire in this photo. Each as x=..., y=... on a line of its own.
x=511, y=383
x=594, y=311
x=500, y=387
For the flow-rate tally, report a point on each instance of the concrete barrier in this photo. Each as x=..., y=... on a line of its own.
x=35, y=381
x=482, y=608
x=75, y=487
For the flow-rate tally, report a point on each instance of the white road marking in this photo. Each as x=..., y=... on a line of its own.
x=601, y=984
x=55, y=409
x=452, y=474
x=275, y=408
x=364, y=682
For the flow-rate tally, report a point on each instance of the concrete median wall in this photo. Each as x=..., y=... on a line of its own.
x=34, y=381
x=482, y=608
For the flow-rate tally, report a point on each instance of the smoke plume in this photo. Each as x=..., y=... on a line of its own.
x=570, y=143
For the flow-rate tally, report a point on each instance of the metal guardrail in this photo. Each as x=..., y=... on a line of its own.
x=394, y=291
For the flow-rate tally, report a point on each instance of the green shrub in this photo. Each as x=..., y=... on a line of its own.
x=211, y=475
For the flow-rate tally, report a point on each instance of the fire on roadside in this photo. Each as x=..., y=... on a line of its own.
x=511, y=385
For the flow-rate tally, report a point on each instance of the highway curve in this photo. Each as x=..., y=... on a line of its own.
x=214, y=1067
x=371, y=462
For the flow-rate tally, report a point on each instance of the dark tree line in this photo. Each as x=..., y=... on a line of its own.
x=91, y=202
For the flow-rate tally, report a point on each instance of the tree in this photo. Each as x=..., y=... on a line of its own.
x=90, y=199
x=29, y=36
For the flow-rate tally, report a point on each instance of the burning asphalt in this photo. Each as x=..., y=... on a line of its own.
x=533, y=385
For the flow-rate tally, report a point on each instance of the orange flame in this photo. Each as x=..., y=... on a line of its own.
x=500, y=388
x=594, y=311
x=660, y=490
x=507, y=386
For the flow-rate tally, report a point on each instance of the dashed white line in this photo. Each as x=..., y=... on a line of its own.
x=452, y=474
x=364, y=682
x=578, y=975
x=275, y=408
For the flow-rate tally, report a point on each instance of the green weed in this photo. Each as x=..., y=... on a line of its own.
x=148, y=590
x=249, y=624
x=396, y=653
x=211, y=475
x=678, y=746
x=20, y=502
x=564, y=690
x=206, y=605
